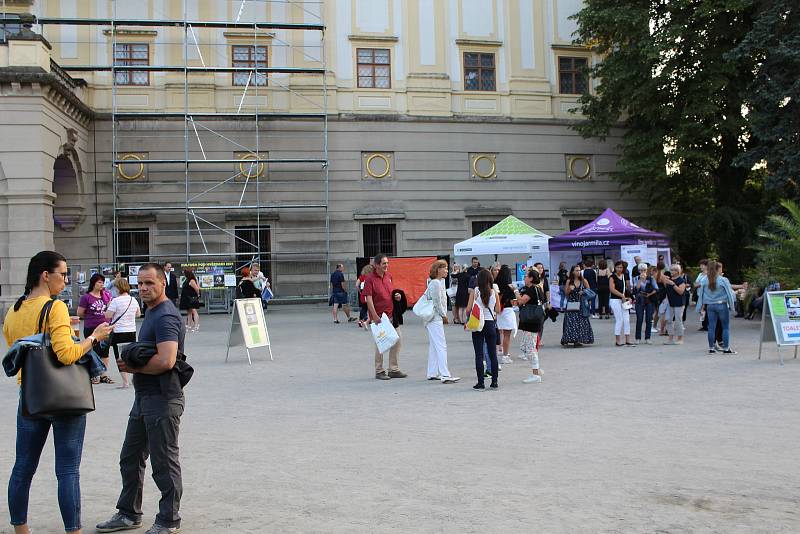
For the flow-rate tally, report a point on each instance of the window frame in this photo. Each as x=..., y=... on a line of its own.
x=133, y=257
x=574, y=73
x=129, y=60
x=487, y=224
x=373, y=65
x=480, y=69
x=251, y=63
x=368, y=251
x=264, y=235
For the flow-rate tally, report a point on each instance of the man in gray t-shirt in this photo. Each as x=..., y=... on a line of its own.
x=155, y=418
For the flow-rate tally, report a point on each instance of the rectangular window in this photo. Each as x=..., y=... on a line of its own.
x=249, y=57
x=380, y=238
x=127, y=54
x=249, y=239
x=374, y=68
x=571, y=75
x=479, y=72
x=481, y=226
x=575, y=224
x=133, y=245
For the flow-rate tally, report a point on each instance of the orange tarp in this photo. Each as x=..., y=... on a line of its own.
x=411, y=275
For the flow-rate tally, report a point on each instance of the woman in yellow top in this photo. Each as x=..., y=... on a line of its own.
x=47, y=273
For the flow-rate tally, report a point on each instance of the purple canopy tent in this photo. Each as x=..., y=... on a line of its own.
x=609, y=230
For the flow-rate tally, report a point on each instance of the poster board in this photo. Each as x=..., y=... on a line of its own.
x=780, y=320
x=211, y=275
x=248, y=327
x=629, y=252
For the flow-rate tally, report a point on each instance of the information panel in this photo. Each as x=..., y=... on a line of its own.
x=780, y=320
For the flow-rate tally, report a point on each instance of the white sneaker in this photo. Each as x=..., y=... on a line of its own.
x=648, y=341
x=637, y=342
x=523, y=357
x=450, y=379
x=595, y=316
x=505, y=359
x=532, y=379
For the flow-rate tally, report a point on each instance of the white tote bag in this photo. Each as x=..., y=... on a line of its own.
x=384, y=334
x=424, y=306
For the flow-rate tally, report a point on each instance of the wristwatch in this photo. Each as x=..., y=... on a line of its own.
x=92, y=339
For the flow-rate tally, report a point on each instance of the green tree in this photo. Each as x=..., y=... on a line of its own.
x=773, y=96
x=670, y=79
x=778, y=254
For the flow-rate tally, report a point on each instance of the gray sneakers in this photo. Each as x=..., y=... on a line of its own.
x=118, y=522
x=158, y=529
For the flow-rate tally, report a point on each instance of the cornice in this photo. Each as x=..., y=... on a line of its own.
x=57, y=92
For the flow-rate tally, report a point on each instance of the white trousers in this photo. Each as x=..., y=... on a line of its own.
x=437, y=350
x=622, y=318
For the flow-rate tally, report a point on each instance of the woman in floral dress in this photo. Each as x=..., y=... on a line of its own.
x=577, y=328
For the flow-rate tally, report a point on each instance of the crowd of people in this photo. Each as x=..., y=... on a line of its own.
x=644, y=301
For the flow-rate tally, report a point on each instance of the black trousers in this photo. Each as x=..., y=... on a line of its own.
x=603, y=298
x=152, y=431
x=489, y=336
x=121, y=337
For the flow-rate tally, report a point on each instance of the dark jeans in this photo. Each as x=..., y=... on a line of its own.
x=603, y=297
x=363, y=312
x=489, y=336
x=717, y=328
x=644, y=316
x=32, y=433
x=152, y=430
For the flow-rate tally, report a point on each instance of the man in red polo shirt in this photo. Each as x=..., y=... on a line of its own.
x=378, y=292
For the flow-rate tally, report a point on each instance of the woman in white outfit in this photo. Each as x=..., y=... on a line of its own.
x=506, y=319
x=620, y=305
x=437, y=347
x=122, y=311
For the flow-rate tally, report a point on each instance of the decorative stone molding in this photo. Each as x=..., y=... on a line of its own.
x=483, y=166
x=377, y=165
x=69, y=213
x=376, y=38
x=366, y=214
x=487, y=211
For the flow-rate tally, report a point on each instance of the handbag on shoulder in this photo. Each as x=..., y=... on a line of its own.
x=531, y=315
x=50, y=388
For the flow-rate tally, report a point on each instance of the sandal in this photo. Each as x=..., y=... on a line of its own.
x=105, y=379
x=95, y=380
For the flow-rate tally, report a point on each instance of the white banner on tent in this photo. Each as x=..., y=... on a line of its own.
x=629, y=252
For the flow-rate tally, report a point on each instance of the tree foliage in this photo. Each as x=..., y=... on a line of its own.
x=678, y=76
x=780, y=249
x=773, y=96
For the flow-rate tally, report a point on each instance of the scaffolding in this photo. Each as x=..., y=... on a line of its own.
x=226, y=154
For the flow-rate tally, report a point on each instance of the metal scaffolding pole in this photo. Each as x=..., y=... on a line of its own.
x=186, y=131
x=179, y=23
x=194, y=226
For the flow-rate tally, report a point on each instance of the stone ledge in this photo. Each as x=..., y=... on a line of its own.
x=487, y=211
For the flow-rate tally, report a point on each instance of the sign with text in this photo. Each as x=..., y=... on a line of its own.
x=781, y=318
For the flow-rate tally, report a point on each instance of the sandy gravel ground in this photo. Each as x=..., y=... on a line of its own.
x=649, y=439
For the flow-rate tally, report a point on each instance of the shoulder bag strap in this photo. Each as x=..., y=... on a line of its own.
x=130, y=301
x=44, y=317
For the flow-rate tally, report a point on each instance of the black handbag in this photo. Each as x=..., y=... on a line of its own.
x=532, y=316
x=50, y=388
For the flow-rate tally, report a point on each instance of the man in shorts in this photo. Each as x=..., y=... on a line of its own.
x=339, y=294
